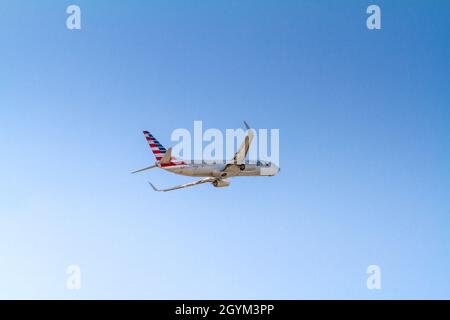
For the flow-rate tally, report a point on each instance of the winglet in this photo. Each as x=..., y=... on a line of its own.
x=153, y=187
x=246, y=124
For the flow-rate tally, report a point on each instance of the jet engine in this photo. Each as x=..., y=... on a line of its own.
x=219, y=183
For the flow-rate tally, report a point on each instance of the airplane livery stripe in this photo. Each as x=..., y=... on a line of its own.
x=157, y=148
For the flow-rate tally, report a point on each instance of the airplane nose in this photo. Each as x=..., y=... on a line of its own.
x=275, y=170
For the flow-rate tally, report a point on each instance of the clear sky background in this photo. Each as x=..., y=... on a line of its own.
x=364, y=149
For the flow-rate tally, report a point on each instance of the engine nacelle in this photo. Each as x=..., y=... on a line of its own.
x=221, y=183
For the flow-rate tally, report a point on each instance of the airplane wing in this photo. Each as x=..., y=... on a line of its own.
x=190, y=184
x=239, y=156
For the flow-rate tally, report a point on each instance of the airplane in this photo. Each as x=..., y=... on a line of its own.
x=214, y=173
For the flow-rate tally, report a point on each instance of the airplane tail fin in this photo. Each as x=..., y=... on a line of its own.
x=163, y=156
x=157, y=148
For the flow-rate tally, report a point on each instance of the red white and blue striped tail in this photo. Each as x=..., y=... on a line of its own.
x=157, y=148
x=159, y=151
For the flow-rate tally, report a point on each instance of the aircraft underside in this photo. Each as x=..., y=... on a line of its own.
x=202, y=170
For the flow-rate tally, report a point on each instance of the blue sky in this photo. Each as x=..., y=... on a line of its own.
x=364, y=149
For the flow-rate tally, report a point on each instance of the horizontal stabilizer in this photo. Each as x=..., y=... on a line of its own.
x=146, y=168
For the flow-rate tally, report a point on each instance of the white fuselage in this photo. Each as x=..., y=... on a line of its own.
x=209, y=169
